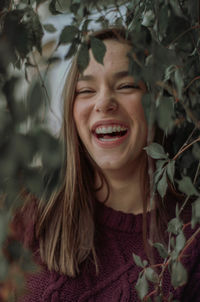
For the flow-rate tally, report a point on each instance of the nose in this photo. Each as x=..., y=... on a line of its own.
x=106, y=102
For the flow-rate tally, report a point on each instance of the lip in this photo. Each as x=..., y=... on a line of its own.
x=109, y=144
x=108, y=122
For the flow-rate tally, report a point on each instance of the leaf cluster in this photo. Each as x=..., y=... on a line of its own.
x=22, y=31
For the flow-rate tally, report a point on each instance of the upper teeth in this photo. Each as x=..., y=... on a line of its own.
x=109, y=129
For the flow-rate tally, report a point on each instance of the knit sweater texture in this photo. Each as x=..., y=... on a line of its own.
x=120, y=235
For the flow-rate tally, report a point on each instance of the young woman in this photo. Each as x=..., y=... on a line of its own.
x=85, y=235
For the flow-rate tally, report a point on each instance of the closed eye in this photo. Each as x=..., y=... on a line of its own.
x=85, y=91
x=129, y=86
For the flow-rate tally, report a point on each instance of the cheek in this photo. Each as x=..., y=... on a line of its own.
x=141, y=115
x=135, y=109
x=81, y=117
x=81, y=109
x=78, y=113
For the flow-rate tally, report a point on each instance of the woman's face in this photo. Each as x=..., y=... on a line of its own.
x=108, y=112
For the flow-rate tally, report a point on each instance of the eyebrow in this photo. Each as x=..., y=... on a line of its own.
x=116, y=75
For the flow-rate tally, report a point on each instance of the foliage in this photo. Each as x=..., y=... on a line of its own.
x=165, y=35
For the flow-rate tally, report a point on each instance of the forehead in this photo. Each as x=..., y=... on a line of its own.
x=115, y=57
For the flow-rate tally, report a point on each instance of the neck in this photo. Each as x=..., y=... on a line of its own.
x=126, y=191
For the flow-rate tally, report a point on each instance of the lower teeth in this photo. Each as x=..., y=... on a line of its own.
x=108, y=139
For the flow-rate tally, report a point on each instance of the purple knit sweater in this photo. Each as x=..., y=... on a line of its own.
x=119, y=236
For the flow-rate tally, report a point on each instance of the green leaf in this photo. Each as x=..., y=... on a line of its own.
x=72, y=49
x=74, y=8
x=180, y=242
x=24, y=30
x=171, y=170
x=162, y=184
x=149, y=108
x=50, y=28
x=98, y=49
x=151, y=275
x=68, y=34
x=156, y=151
x=178, y=274
x=4, y=268
x=169, y=71
x=145, y=262
x=196, y=151
x=160, y=170
x=83, y=57
x=160, y=163
x=85, y=25
x=172, y=242
x=34, y=182
x=148, y=18
x=186, y=186
x=35, y=98
x=165, y=114
x=195, y=212
x=47, y=142
x=142, y=286
x=179, y=82
x=52, y=7
x=162, y=19
x=138, y=260
x=158, y=175
x=175, y=226
x=134, y=68
x=161, y=249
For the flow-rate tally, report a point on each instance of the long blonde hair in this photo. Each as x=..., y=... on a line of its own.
x=65, y=226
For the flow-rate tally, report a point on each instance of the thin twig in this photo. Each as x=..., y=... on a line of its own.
x=187, y=140
x=168, y=88
x=182, y=34
x=184, y=204
x=118, y=10
x=197, y=173
x=193, y=80
x=189, y=241
x=185, y=148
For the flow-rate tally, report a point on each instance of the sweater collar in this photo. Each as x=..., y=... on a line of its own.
x=118, y=220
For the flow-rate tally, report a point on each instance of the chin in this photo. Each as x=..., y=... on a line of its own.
x=111, y=165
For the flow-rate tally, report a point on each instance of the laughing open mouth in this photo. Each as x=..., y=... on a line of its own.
x=110, y=133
